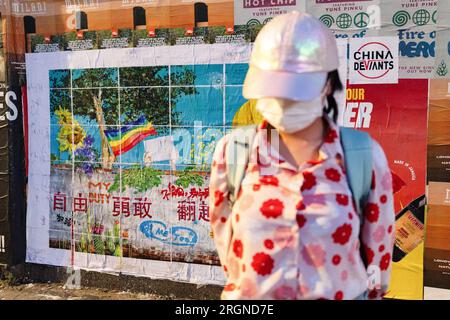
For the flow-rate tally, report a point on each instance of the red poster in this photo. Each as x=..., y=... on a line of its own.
x=396, y=116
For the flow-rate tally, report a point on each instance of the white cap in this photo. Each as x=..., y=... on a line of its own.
x=291, y=58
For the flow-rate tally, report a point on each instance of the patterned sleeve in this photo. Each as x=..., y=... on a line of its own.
x=219, y=209
x=379, y=226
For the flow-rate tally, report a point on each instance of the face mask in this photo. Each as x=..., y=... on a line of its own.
x=290, y=117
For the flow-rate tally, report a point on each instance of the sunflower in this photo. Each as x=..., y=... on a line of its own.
x=71, y=135
x=64, y=116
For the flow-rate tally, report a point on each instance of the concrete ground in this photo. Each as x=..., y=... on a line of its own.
x=54, y=291
x=41, y=282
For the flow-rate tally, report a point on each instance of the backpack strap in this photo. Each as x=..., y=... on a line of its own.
x=237, y=154
x=357, y=147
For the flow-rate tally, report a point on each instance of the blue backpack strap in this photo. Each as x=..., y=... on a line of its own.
x=357, y=146
x=237, y=154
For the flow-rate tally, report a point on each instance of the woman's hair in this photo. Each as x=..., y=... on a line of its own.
x=335, y=85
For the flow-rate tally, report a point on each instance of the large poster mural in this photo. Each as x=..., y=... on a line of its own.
x=129, y=145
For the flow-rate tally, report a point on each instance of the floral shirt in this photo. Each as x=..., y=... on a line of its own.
x=295, y=233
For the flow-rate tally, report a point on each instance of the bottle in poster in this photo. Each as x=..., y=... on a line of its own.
x=409, y=228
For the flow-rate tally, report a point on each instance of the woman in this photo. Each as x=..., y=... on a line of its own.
x=295, y=232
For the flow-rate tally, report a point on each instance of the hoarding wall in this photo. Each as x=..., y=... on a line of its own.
x=126, y=100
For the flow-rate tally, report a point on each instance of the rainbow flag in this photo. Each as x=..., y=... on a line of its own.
x=128, y=136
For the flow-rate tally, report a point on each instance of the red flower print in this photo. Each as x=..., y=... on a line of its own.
x=350, y=215
x=372, y=212
x=256, y=187
x=218, y=197
x=225, y=268
x=339, y=295
x=331, y=136
x=262, y=264
x=223, y=219
x=336, y=259
x=385, y=261
x=389, y=229
x=301, y=220
x=342, y=199
x=381, y=248
x=229, y=287
x=272, y=208
x=342, y=234
x=333, y=175
x=269, y=180
x=238, y=248
x=237, y=217
x=373, y=294
x=268, y=244
x=300, y=206
x=284, y=293
x=383, y=198
x=309, y=181
x=369, y=254
x=373, y=184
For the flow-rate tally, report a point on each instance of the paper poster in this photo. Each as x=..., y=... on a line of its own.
x=373, y=60
x=414, y=22
x=397, y=119
x=442, y=61
x=259, y=12
x=437, y=249
x=120, y=151
x=347, y=18
x=396, y=116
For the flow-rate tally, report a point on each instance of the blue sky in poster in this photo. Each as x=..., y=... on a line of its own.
x=218, y=97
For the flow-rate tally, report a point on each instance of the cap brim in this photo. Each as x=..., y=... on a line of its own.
x=278, y=84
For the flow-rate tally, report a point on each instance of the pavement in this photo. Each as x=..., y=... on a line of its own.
x=52, y=291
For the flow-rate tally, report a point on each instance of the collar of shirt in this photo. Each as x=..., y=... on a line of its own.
x=269, y=156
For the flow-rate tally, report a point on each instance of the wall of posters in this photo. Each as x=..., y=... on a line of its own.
x=415, y=23
x=113, y=82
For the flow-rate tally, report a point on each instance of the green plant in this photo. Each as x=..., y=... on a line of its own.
x=99, y=244
x=187, y=178
x=137, y=177
x=83, y=243
x=110, y=244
